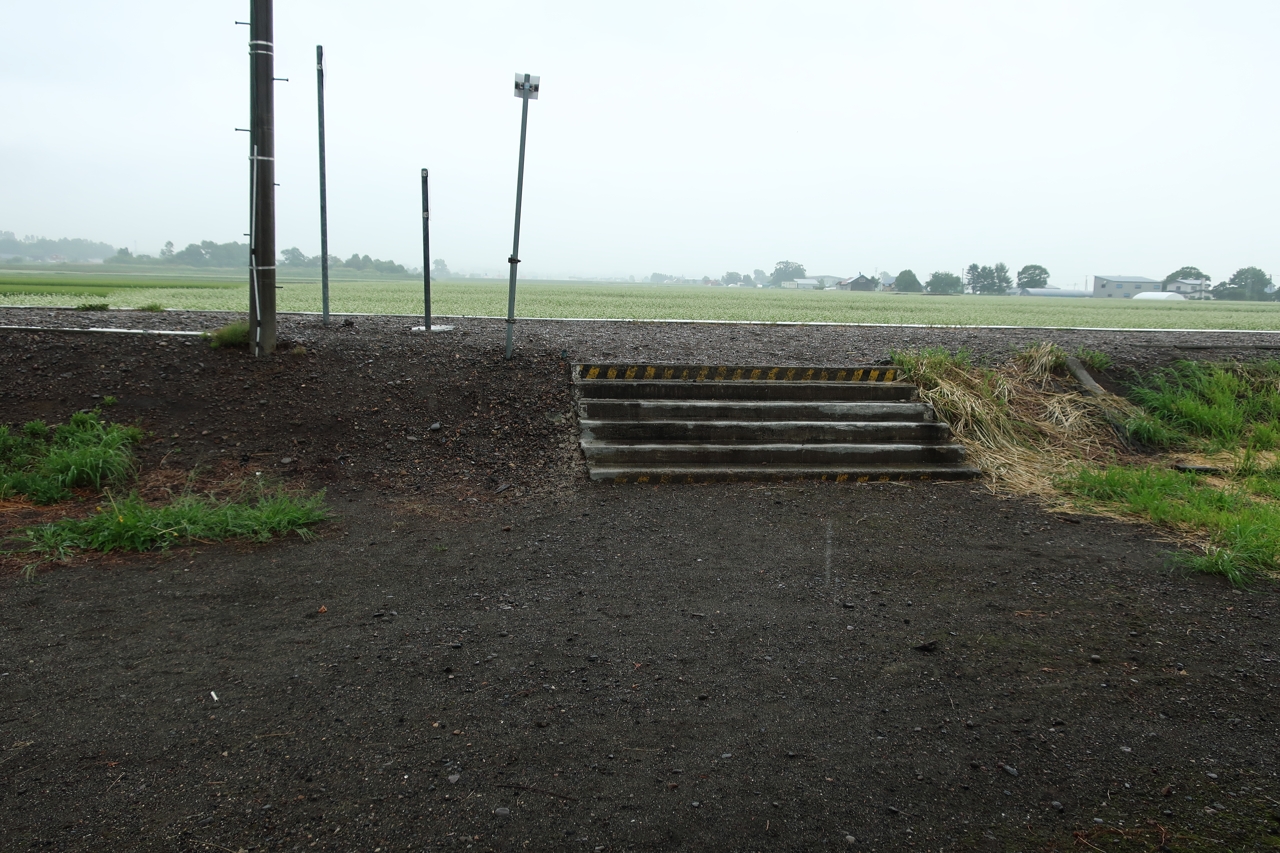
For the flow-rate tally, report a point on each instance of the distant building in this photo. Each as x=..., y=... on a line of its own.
x=1191, y=288
x=887, y=281
x=859, y=283
x=1161, y=295
x=1046, y=291
x=807, y=284
x=827, y=280
x=1123, y=286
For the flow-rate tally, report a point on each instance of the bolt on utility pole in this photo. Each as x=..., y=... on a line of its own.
x=262, y=175
x=527, y=90
x=324, y=209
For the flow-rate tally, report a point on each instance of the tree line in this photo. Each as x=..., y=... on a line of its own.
x=207, y=253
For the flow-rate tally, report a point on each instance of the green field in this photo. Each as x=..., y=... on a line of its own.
x=227, y=290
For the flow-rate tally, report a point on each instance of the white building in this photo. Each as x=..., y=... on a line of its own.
x=1123, y=286
x=1191, y=288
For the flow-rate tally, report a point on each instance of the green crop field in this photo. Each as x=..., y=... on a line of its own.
x=225, y=290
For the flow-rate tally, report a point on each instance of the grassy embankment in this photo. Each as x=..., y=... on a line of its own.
x=357, y=293
x=1033, y=433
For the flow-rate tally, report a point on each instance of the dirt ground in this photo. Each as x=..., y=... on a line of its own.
x=483, y=650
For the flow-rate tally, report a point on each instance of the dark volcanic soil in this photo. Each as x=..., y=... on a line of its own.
x=510, y=657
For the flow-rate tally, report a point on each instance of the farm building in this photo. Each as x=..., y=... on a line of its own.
x=859, y=283
x=1191, y=288
x=1046, y=291
x=1122, y=286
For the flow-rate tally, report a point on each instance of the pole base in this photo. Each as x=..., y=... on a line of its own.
x=434, y=328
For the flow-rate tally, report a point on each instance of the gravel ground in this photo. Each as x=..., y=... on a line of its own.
x=484, y=650
x=727, y=343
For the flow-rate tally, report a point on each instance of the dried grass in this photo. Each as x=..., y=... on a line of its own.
x=1021, y=423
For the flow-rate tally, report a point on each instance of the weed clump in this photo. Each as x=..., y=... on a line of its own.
x=155, y=307
x=93, y=306
x=233, y=335
x=253, y=512
x=44, y=463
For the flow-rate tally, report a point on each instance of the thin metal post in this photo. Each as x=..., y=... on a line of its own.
x=515, y=243
x=262, y=245
x=426, y=256
x=324, y=209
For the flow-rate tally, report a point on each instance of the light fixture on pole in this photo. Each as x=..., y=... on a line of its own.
x=526, y=90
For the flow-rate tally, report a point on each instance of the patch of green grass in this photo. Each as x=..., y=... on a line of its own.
x=1211, y=406
x=233, y=335
x=93, y=306
x=44, y=464
x=256, y=513
x=1094, y=359
x=154, y=307
x=1242, y=525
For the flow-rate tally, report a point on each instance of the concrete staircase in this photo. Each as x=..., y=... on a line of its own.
x=661, y=423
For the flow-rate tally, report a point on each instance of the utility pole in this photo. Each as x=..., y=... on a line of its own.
x=527, y=90
x=324, y=211
x=262, y=177
x=426, y=256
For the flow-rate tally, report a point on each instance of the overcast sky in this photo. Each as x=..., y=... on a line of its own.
x=683, y=137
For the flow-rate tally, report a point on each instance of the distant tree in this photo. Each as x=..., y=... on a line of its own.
x=944, y=282
x=731, y=278
x=167, y=251
x=293, y=257
x=1248, y=283
x=1001, y=274
x=987, y=280
x=1033, y=275
x=906, y=282
x=786, y=271
x=759, y=277
x=191, y=256
x=746, y=279
x=388, y=267
x=659, y=278
x=122, y=256
x=1188, y=273
x=440, y=270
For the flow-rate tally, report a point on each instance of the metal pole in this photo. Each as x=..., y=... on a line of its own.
x=262, y=246
x=324, y=210
x=426, y=257
x=515, y=245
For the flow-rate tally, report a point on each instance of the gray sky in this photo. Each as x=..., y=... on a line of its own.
x=683, y=137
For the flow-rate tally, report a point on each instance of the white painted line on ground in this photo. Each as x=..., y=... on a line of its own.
x=92, y=329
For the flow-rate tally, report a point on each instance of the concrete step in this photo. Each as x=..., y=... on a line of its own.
x=875, y=473
x=701, y=423
x=756, y=432
x=662, y=389
x=752, y=410
x=653, y=454
x=734, y=373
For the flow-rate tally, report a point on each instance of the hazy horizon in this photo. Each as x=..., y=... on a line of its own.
x=1091, y=138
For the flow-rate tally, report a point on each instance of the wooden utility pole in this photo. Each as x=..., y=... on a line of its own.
x=262, y=181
